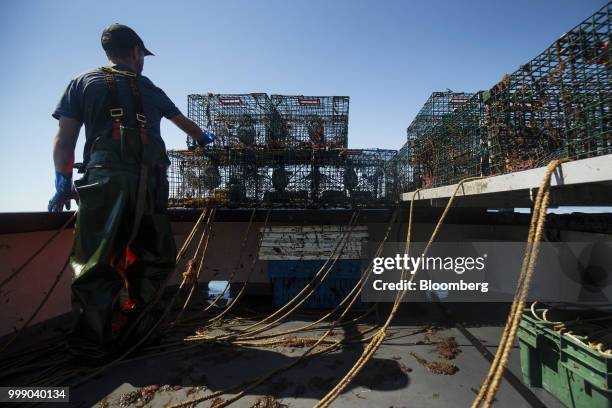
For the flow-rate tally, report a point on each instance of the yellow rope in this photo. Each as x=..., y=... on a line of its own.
x=538, y=220
x=214, y=321
x=307, y=291
x=243, y=288
x=310, y=288
x=351, y=297
x=348, y=298
x=311, y=326
x=235, y=269
x=377, y=339
x=564, y=328
x=254, y=383
x=308, y=353
x=191, y=278
x=180, y=254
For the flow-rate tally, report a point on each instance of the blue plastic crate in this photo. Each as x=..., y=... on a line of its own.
x=290, y=277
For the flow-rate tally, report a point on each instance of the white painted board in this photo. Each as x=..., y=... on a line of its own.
x=311, y=242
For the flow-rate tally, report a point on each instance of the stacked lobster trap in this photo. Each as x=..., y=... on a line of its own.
x=414, y=163
x=456, y=144
x=275, y=122
x=236, y=119
x=277, y=150
x=438, y=105
x=558, y=105
x=305, y=122
x=279, y=177
x=400, y=176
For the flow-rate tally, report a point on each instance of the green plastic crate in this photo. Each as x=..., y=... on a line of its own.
x=576, y=375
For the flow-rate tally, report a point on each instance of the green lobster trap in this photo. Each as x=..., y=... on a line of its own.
x=558, y=105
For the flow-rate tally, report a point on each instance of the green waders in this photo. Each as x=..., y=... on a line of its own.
x=123, y=248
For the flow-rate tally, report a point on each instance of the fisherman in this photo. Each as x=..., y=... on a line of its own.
x=123, y=247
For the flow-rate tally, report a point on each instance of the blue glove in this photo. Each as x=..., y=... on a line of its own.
x=64, y=192
x=207, y=137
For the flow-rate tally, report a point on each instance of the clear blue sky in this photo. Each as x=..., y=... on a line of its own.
x=388, y=56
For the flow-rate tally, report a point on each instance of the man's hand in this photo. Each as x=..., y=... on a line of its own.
x=64, y=192
x=207, y=137
x=188, y=126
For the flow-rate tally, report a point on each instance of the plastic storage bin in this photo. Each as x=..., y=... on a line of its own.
x=577, y=375
x=289, y=277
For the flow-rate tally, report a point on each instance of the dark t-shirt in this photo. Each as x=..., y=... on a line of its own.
x=86, y=99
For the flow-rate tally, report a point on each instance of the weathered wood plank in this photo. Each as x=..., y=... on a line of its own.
x=312, y=228
x=311, y=242
x=307, y=257
x=312, y=245
x=311, y=235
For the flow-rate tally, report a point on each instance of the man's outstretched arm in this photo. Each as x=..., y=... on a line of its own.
x=193, y=130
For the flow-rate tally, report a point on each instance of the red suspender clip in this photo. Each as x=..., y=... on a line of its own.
x=116, y=130
x=140, y=117
x=116, y=112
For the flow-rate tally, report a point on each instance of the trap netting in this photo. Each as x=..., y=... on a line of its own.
x=278, y=177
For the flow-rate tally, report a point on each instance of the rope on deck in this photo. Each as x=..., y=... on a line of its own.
x=538, y=220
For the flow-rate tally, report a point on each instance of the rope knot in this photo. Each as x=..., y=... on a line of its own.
x=189, y=275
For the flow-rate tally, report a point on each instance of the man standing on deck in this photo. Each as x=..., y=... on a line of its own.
x=123, y=247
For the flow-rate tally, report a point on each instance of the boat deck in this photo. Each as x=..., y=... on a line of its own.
x=393, y=378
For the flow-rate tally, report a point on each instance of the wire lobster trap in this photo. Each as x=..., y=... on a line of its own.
x=418, y=171
x=459, y=147
x=435, y=107
x=298, y=122
x=220, y=177
x=281, y=178
x=353, y=176
x=366, y=177
x=285, y=177
x=196, y=180
x=558, y=104
x=323, y=177
x=238, y=120
x=400, y=173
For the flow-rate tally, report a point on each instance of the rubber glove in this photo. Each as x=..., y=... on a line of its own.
x=207, y=137
x=64, y=192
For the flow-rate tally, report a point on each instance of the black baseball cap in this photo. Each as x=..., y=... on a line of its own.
x=119, y=36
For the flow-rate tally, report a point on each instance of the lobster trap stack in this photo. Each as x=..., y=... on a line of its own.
x=277, y=150
x=280, y=178
x=258, y=120
x=556, y=106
